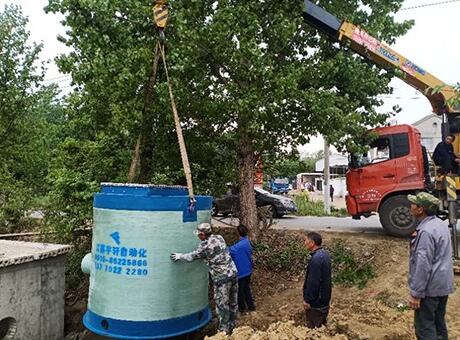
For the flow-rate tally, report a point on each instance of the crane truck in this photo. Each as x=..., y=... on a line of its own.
x=399, y=164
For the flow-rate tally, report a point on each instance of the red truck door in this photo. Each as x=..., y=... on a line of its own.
x=375, y=176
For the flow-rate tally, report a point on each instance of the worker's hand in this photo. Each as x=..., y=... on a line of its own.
x=414, y=303
x=176, y=256
x=306, y=305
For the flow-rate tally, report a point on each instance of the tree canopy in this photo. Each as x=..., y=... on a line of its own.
x=27, y=128
x=250, y=78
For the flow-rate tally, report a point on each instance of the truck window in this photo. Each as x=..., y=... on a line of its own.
x=382, y=149
x=379, y=150
x=400, y=145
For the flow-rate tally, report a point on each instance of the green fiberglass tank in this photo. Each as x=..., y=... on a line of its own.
x=136, y=291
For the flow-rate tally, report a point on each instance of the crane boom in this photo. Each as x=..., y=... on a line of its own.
x=371, y=48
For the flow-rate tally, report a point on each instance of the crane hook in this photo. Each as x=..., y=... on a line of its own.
x=160, y=15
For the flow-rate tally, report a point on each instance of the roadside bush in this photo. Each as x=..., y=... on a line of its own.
x=280, y=252
x=15, y=202
x=349, y=269
x=308, y=207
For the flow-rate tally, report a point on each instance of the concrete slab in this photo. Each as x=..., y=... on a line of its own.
x=17, y=252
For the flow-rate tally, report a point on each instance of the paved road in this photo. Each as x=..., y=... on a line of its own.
x=341, y=224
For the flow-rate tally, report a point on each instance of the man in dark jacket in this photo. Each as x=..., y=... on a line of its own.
x=241, y=253
x=431, y=274
x=445, y=157
x=317, y=287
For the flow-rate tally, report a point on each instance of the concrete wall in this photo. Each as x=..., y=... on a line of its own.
x=340, y=186
x=33, y=294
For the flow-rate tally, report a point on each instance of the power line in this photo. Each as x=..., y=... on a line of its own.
x=430, y=4
x=398, y=97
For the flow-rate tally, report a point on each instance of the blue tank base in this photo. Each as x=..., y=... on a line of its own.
x=122, y=329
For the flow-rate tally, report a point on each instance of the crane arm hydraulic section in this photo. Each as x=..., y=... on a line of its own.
x=371, y=48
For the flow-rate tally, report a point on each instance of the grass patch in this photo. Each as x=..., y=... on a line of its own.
x=349, y=269
x=308, y=207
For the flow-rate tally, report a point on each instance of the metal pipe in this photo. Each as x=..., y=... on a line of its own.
x=455, y=241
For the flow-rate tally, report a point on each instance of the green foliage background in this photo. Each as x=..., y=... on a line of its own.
x=240, y=69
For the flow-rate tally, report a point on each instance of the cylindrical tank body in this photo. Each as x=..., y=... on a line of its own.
x=136, y=291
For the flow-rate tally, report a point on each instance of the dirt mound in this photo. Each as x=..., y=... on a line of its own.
x=279, y=331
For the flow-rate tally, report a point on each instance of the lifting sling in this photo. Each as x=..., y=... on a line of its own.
x=160, y=13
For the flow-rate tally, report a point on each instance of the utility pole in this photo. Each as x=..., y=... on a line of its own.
x=326, y=174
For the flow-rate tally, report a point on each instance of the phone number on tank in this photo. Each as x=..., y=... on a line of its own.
x=121, y=261
x=121, y=271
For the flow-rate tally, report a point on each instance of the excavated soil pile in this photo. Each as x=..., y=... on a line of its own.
x=279, y=331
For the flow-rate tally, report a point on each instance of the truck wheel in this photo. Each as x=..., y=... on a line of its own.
x=396, y=218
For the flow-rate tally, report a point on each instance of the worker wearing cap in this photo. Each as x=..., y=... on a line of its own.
x=222, y=270
x=431, y=276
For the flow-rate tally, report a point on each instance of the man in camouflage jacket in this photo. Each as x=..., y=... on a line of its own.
x=222, y=270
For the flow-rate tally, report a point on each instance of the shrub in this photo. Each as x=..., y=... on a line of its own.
x=281, y=253
x=348, y=269
x=15, y=203
x=308, y=207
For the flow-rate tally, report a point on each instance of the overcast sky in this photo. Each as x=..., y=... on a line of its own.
x=432, y=44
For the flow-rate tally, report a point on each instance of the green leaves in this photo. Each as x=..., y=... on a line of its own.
x=28, y=115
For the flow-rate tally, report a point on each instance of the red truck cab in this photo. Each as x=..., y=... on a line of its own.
x=380, y=180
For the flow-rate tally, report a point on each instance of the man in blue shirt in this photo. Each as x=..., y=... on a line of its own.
x=317, y=287
x=241, y=253
x=431, y=273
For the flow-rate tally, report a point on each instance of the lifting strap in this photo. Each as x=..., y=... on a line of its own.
x=160, y=14
x=180, y=137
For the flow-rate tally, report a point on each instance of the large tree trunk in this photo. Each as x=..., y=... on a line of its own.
x=245, y=159
x=134, y=162
x=146, y=145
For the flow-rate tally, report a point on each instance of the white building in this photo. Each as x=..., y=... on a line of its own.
x=336, y=162
x=430, y=129
x=338, y=167
x=317, y=179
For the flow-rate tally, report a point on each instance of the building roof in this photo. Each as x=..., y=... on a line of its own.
x=335, y=160
x=424, y=119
